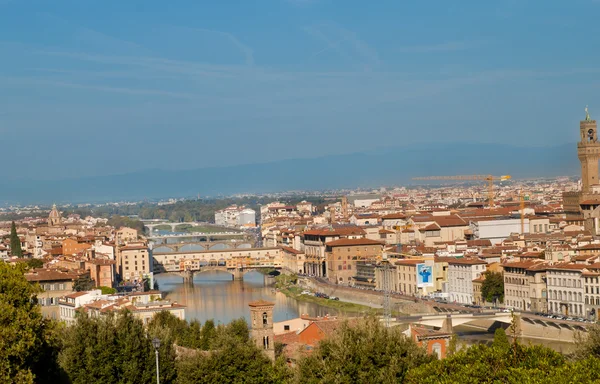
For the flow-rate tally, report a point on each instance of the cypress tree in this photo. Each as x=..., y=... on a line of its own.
x=15, y=242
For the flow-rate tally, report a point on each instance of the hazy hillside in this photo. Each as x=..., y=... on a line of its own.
x=391, y=166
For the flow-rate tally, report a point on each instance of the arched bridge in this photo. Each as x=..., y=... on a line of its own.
x=526, y=324
x=447, y=321
x=201, y=246
x=236, y=273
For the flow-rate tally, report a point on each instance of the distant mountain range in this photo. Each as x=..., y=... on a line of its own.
x=389, y=166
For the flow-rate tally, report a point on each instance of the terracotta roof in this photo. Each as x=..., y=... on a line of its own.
x=590, y=246
x=409, y=262
x=339, y=231
x=567, y=266
x=41, y=274
x=479, y=243
x=76, y=295
x=352, y=242
x=430, y=227
x=590, y=202
x=260, y=303
x=392, y=216
x=133, y=248
x=465, y=261
x=101, y=261
x=423, y=332
x=291, y=250
x=522, y=264
x=450, y=221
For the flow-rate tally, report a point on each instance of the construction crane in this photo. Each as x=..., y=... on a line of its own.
x=487, y=178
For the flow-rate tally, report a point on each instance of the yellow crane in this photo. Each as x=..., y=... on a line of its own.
x=487, y=178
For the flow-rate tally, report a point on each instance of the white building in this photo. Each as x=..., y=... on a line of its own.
x=566, y=289
x=497, y=230
x=461, y=273
x=247, y=217
x=69, y=304
x=234, y=216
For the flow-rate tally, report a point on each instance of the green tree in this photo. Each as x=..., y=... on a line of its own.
x=361, y=352
x=500, y=339
x=107, y=290
x=35, y=263
x=588, y=343
x=83, y=283
x=499, y=363
x=239, y=362
x=15, y=242
x=492, y=287
x=28, y=346
x=114, y=348
x=207, y=335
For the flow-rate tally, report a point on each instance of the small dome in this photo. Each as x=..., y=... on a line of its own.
x=54, y=213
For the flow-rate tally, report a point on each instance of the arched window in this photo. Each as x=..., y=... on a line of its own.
x=586, y=300
x=265, y=318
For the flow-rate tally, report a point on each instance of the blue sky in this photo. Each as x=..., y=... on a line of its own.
x=94, y=87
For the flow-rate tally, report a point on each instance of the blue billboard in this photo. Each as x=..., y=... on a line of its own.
x=424, y=275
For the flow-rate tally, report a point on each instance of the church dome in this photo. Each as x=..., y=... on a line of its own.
x=54, y=217
x=54, y=212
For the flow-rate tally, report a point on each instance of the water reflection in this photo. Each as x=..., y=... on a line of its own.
x=215, y=295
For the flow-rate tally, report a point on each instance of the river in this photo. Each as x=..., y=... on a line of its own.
x=216, y=296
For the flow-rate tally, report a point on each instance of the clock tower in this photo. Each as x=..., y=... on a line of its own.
x=588, y=151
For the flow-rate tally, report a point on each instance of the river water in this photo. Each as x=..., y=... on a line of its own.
x=216, y=296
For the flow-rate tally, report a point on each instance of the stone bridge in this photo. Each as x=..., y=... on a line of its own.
x=151, y=224
x=527, y=325
x=201, y=236
x=446, y=322
x=201, y=246
x=236, y=273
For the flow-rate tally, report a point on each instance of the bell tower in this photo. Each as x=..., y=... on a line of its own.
x=588, y=151
x=261, y=317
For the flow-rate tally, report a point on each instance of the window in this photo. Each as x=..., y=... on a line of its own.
x=286, y=327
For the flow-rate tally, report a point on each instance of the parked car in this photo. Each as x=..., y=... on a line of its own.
x=305, y=293
x=334, y=298
x=507, y=310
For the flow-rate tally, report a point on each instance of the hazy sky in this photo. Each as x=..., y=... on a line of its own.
x=104, y=87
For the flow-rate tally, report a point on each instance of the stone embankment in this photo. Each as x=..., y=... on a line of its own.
x=365, y=297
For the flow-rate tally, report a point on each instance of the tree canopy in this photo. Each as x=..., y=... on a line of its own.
x=362, y=352
x=114, y=348
x=492, y=287
x=27, y=340
x=83, y=283
x=15, y=242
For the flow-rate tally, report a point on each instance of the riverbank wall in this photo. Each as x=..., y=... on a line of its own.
x=365, y=297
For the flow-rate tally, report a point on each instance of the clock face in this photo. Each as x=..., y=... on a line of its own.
x=590, y=131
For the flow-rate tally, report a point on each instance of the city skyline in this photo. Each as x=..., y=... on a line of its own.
x=93, y=89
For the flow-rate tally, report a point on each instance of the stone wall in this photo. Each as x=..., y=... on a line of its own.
x=365, y=297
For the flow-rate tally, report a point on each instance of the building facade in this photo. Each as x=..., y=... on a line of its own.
x=461, y=273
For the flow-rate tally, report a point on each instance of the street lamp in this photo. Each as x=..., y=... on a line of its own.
x=156, y=344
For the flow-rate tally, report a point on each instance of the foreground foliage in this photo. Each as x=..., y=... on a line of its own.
x=503, y=362
x=28, y=343
x=362, y=352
